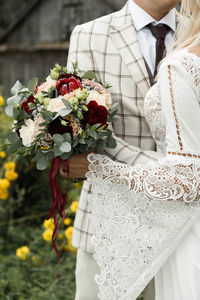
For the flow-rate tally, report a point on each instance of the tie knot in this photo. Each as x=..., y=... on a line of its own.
x=159, y=31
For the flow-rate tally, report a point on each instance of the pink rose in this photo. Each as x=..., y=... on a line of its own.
x=45, y=86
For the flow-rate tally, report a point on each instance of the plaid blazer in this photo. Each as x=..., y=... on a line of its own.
x=109, y=47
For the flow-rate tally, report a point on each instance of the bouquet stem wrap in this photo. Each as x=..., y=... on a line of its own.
x=58, y=200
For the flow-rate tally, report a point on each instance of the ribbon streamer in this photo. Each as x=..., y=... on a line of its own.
x=58, y=200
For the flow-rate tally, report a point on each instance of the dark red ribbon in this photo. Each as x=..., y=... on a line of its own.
x=58, y=200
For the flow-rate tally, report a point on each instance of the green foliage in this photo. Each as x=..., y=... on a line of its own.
x=32, y=84
x=21, y=218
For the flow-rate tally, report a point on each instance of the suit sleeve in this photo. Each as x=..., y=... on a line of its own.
x=80, y=51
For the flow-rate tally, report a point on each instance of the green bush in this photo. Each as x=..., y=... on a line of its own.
x=21, y=224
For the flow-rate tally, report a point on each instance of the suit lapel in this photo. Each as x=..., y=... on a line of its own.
x=124, y=37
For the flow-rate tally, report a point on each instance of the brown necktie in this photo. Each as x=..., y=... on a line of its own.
x=159, y=32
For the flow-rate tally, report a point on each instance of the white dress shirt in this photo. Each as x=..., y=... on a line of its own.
x=146, y=40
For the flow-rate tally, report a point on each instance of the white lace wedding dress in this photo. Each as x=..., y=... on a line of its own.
x=147, y=218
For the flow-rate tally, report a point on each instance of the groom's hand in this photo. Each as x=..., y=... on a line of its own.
x=78, y=166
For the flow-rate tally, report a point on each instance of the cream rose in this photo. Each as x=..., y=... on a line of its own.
x=102, y=98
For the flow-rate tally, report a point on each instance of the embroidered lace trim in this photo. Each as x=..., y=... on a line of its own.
x=174, y=108
x=140, y=214
x=154, y=117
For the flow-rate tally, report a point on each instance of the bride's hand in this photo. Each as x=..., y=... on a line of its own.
x=78, y=166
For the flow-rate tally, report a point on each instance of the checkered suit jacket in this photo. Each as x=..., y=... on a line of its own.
x=109, y=47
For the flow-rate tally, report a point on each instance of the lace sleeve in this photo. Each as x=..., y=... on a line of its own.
x=141, y=213
x=168, y=178
x=154, y=117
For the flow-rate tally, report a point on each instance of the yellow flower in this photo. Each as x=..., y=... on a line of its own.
x=60, y=236
x=69, y=242
x=22, y=252
x=69, y=248
x=4, y=183
x=2, y=154
x=1, y=100
x=10, y=166
x=78, y=184
x=67, y=221
x=49, y=224
x=74, y=206
x=3, y=194
x=11, y=175
x=47, y=235
x=68, y=232
x=44, y=148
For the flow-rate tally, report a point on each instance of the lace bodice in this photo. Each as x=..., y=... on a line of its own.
x=141, y=213
x=152, y=104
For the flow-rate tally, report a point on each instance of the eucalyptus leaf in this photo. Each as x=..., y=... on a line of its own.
x=89, y=75
x=12, y=137
x=63, y=112
x=66, y=103
x=58, y=139
x=57, y=151
x=111, y=143
x=100, y=145
x=67, y=137
x=15, y=146
x=24, y=91
x=10, y=104
x=38, y=155
x=65, y=147
x=32, y=84
x=16, y=113
x=47, y=115
x=66, y=155
x=42, y=163
x=91, y=143
x=16, y=88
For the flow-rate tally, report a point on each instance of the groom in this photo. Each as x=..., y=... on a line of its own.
x=123, y=49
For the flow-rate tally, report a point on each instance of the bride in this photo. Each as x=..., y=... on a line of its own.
x=147, y=218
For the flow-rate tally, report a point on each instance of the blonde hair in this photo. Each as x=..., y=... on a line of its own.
x=188, y=31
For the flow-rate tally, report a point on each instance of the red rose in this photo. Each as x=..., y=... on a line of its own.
x=95, y=114
x=25, y=106
x=68, y=83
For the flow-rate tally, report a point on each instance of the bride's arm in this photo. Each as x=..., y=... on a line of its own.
x=177, y=176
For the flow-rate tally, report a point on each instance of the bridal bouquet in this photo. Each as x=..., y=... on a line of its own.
x=63, y=116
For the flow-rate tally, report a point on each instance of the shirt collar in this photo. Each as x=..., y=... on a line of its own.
x=141, y=18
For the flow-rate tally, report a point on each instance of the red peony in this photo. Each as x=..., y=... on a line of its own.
x=68, y=83
x=55, y=126
x=25, y=106
x=95, y=114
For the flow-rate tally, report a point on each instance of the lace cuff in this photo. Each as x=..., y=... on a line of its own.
x=136, y=230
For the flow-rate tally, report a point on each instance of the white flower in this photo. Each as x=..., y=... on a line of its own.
x=45, y=86
x=56, y=104
x=30, y=130
x=102, y=98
